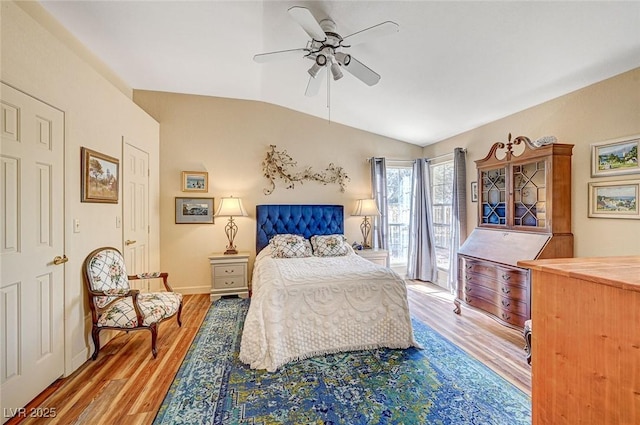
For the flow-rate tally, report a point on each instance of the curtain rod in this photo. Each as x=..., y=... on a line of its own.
x=393, y=160
x=412, y=160
x=444, y=154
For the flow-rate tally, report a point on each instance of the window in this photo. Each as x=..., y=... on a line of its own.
x=399, y=209
x=442, y=199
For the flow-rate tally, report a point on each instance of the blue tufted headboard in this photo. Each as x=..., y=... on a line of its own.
x=305, y=220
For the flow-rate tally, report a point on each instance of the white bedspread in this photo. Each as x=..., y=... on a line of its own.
x=302, y=307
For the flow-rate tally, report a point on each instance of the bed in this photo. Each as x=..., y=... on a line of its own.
x=303, y=307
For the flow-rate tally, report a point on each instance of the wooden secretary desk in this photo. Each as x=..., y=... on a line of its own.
x=524, y=213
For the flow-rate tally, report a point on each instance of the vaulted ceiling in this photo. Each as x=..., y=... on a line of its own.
x=452, y=66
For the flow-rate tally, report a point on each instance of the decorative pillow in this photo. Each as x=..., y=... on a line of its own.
x=290, y=246
x=329, y=245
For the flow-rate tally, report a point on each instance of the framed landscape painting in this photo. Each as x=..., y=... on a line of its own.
x=615, y=157
x=474, y=191
x=194, y=210
x=100, y=178
x=614, y=199
x=195, y=181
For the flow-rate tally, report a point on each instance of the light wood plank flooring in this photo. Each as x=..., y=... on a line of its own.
x=126, y=385
x=497, y=346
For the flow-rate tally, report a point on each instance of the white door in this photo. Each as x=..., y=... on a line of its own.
x=32, y=236
x=136, y=212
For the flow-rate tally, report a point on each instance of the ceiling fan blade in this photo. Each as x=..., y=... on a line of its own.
x=361, y=72
x=303, y=16
x=280, y=55
x=370, y=33
x=313, y=86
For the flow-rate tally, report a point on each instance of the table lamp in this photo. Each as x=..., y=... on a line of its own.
x=366, y=208
x=231, y=207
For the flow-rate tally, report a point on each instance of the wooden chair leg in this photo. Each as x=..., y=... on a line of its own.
x=95, y=335
x=154, y=336
x=179, y=315
x=527, y=339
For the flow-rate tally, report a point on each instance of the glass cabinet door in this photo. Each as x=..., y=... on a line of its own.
x=493, y=197
x=529, y=195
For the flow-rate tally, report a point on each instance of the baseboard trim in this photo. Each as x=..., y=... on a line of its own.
x=191, y=290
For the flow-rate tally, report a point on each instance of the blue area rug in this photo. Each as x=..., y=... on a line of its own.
x=439, y=384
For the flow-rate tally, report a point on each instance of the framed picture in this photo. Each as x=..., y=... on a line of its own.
x=100, y=178
x=474, y=191
x=194, y=210
x=614, y=157
x=195, y=181
x=614, y=199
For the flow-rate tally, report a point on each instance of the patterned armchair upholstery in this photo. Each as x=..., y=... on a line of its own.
x=114, y=305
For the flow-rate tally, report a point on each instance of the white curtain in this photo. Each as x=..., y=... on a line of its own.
x=422, y=255
x=380, y=231
x=458, y=215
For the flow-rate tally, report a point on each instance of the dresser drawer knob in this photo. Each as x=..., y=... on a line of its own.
x=506, y=290
x=468, y=288
x=226, y=282
x=229, y=271
x=505, y=303
x=506, y=276
x=505, y=316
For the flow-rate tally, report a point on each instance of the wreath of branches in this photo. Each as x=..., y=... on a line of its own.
x=278, y=164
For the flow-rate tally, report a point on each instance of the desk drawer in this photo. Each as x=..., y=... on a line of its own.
x=474, y=282
x=513, y=313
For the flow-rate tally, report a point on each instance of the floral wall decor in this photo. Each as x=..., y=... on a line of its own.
x=278, y=164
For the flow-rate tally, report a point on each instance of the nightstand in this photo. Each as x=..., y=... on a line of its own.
x=378, y=256
x=229, y=275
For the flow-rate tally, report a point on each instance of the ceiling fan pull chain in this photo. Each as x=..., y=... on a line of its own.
x=329, y=94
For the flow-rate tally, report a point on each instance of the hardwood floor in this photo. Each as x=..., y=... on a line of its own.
x=127, y=385
x=497, y=346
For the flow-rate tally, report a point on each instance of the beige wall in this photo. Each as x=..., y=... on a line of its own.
x=97, y=115
x=603, y=111
x=229, y=139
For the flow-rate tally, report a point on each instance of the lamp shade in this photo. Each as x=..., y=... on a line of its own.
x=366, y=208
x=231, y=207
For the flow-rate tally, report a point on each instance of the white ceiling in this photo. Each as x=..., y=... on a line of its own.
x=453, y=66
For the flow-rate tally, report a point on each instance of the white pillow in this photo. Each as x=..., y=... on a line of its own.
x=290, y=246
x=329, y=245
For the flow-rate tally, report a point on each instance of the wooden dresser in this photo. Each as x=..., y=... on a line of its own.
x=524, y=213
x=586, y=340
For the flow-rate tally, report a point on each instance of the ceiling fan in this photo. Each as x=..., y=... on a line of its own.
x=326, y=47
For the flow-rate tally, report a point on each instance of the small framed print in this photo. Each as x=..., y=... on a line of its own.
x=100, y=179
x=194, y=210
x=195, y=181
x=614, y=199
x=474, y=191
x=615, y=157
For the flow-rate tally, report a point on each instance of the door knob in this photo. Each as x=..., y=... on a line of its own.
x=129, y=242
x=60, y=260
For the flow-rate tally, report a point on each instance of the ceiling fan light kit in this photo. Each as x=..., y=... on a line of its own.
x=335, y=70
x=315, y=68
x=325, y=47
